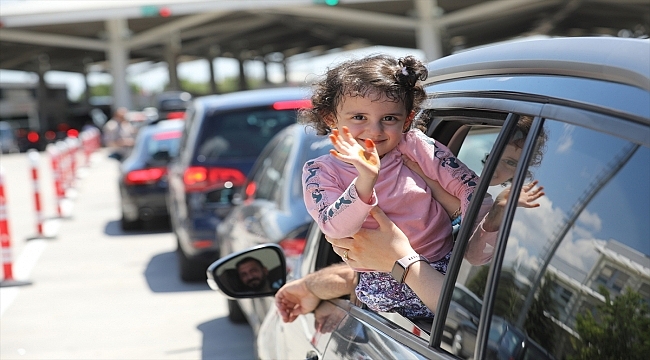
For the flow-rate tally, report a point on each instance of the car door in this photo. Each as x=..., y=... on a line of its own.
x=558, y=269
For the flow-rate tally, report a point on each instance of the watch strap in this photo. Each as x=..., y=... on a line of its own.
x=401, y=266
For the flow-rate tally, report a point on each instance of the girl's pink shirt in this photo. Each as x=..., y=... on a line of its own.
x=331, y=198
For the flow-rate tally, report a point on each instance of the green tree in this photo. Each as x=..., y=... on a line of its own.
x=477, y=283
x=539, y=325
x=620, y=329
x=100, y=90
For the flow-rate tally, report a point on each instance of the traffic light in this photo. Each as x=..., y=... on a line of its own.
x=327, y=2
x=153, y=10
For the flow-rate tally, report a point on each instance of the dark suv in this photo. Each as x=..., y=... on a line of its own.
x=223, y=136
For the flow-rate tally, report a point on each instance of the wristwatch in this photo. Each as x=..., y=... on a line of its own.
x=401, y=267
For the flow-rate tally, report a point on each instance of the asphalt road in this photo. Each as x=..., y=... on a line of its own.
x=96, y=292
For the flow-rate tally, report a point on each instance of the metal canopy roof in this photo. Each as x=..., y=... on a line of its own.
x=70, y=39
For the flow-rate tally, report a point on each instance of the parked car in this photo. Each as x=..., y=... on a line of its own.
x=224, y=136
x=270, y=206
x=584, y=250
x=8, y=141
x=506, y=342
x=143, y=175
x=462, y=320
x=172, y=104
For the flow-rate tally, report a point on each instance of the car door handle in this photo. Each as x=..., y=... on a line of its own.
x=311, y=355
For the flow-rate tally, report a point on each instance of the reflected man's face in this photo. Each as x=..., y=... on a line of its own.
x=252, y=274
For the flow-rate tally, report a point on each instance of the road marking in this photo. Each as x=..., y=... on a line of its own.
x=22, y=268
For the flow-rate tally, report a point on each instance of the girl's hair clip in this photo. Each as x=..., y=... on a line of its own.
x=405, y=71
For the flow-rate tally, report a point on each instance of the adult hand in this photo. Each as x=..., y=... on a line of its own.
x=374, y=249
x=294, y=299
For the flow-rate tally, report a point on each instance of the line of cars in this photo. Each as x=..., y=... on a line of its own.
x=189, y=170
x=551, y=264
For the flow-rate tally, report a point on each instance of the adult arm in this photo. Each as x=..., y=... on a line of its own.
x=303, y=295
x=378, y=249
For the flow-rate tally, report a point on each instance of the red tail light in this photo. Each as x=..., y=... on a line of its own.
x=32, y=136
x=250, y=189
x=199, y=178
x=73, y=133
x=50, y=135
x=145, y=176
x=176, y=115
x=292, y=104
x=293, y=247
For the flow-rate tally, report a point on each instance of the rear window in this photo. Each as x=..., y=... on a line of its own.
x=167, y=141
x=241, y=134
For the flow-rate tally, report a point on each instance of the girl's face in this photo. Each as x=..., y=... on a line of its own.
x=376, y=118
x=507, y=165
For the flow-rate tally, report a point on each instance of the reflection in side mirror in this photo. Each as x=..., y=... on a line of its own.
x=256, y=272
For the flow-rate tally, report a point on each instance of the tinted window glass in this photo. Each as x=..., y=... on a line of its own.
x=270, y=177
x=167, y=141
x=578, y=264
x=241, y=134
x=311, y=149
x=476, y=146
x=467, y=301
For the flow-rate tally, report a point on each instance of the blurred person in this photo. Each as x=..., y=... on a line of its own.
x=119, y=134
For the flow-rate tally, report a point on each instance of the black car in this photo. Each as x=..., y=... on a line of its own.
x=172, y=104
x=566, y=275
x=224, y=136
x=462, y=320
x=143, y=175
x=271, y=208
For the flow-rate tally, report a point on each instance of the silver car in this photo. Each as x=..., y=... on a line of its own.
x=565, y=275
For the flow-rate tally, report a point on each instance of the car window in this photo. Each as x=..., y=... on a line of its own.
x=578, y=264
x=467, y=301
x=165, y=141
x=239, y=134
x=269, y=178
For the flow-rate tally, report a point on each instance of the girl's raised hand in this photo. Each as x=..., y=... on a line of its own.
x=347, y=149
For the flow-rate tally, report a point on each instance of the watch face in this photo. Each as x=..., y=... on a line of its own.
x=398, y=272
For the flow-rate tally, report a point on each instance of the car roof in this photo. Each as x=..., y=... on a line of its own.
x=621, y=60
x=252, y=98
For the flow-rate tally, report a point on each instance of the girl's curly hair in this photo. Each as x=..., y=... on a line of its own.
x=375, y=75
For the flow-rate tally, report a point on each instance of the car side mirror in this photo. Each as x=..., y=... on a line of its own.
x=255, y=272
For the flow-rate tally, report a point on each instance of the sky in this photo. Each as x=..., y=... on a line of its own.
x=152, y=77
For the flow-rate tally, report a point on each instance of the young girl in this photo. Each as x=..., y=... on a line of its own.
x=367, y=107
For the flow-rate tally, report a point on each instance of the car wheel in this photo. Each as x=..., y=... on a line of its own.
x=190, y=271
x=457, y=344
x=128, y=225
x=235, y=314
